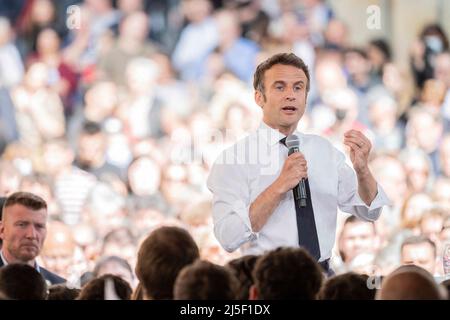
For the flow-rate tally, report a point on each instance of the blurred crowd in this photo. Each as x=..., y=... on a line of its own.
x=113, y=112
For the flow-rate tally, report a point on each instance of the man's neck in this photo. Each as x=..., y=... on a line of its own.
x=284, y=130
x=8, y=259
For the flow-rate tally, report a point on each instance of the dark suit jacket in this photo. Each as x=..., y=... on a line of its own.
x=48, y=276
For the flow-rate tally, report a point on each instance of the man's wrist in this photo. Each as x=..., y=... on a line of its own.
x=276, y=190
x=363, y=173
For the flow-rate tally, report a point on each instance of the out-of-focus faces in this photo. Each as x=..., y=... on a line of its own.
x=48, y=42
x=43, y=12
x=356, y=238
x=383, y=114
x=421, y=254
x=444, y=156
x=196, y=10
x=101, y=100
x=91, y=148
x=442, y=68
x=416, y=206
x=144, y=176
x=418, y=170
x=390, y=173
x=141, y=74
x=135, y=26
x=37, y=76
x=423, y=131
x=58, y=251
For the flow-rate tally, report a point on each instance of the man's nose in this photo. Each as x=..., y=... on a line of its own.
x=31, y=232
x=290, y=95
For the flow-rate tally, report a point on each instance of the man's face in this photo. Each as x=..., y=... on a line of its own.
x=357, y=238
x=23, y=231
x=421, y=254
x=284, y=98
x=91, y=147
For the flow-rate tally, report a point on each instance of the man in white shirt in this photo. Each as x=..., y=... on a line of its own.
x=253, y=205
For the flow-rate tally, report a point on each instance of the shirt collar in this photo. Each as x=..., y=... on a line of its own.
x=273, y=136
x=5, y=262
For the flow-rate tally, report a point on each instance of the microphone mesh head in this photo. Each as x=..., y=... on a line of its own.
x=292, y=141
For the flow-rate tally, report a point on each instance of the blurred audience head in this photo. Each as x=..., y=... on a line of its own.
x=347, y=286
x=420, y=251
x=196, y=11
x=242, y=268
x=413, y=209
x=424, y=130
x=22, y=282
x=62, y=292
x=390, y=173
x=96, y=289
x=59, y=249
x=204, y=280
x=161, y=257
x=286, y=273
x=357, y=236
x=410, y=283
x=115, y=266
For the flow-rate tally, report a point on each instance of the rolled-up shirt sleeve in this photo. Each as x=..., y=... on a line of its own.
x=348, y=196
x=231, y=204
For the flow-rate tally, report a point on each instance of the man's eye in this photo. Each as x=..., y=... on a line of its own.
x=279, y=87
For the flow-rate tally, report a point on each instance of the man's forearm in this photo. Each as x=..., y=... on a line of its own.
x=263, y=206
x=367, y=187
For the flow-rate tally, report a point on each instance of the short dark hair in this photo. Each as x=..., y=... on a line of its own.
x=2, y=202
x=161, y=257
x=355, y=219
x=360, y=52
x=446, y=285
x=383, y=46
x=288, y=59
x=287, y=273
x=22, y=282
x=347, y=286
x=95, y=289
x=414, y=240
x=26, y=199
x=242, y=269
x=62, y=292
x=204, y=280
x=91, y=128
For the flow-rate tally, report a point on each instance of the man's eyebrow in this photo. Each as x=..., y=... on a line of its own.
x=284, y=82
x=21, y=221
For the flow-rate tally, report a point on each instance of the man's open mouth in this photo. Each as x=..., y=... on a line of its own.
x=289, y=108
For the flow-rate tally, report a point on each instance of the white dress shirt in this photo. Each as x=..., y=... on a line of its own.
x=243, y=171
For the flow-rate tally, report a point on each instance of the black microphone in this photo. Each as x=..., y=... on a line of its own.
x=292, y=142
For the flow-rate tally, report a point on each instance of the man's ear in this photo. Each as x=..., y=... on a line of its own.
x=259, y=98
x=2, y=229
x=253, y=293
